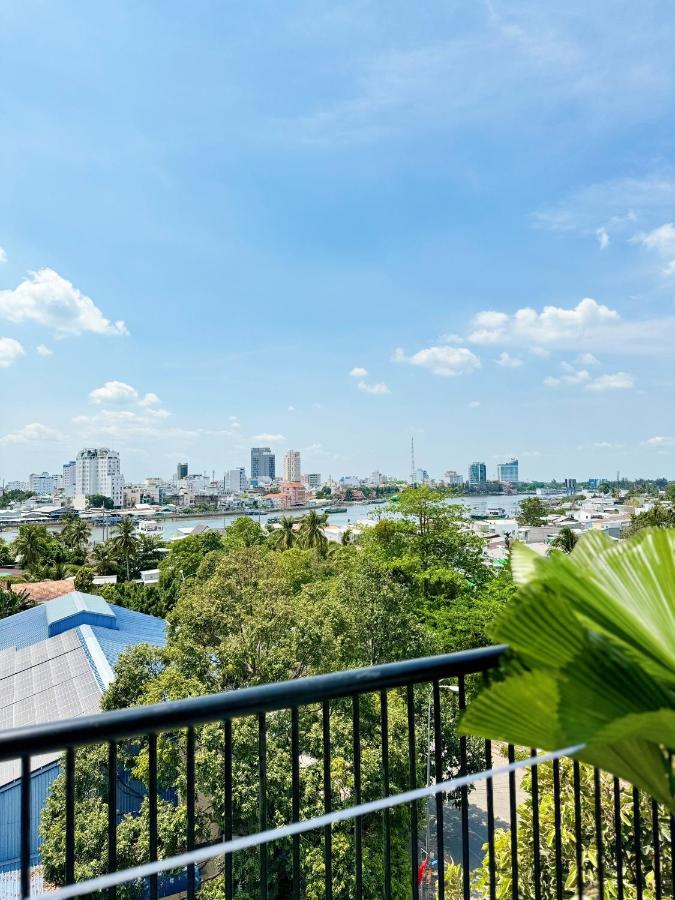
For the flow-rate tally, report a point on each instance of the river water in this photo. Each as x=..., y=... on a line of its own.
x=171, y=527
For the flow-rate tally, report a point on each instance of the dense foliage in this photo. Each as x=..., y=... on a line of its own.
x=249, y=608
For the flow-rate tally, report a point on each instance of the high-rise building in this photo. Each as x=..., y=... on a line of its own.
x=507, y=472
x=421, y=476
x=97, y=471
x=43, y=483
x=262, y=463
x=312, y=480
x=477, y=473
x=453, y=478
x=235, y=481
x=292, y=471
x=69, y=474
x=570, y=486
x=181, y=471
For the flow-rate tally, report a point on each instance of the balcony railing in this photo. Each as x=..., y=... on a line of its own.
x=455, y=843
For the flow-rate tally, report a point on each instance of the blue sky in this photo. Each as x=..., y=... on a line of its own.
x=212, y=213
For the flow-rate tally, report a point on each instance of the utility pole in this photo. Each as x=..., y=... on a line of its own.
x=412, y=461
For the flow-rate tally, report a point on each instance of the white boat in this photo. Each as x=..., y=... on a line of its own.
x=495, y=511
x=149, y=526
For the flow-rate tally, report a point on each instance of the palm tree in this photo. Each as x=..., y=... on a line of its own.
x=75, y=533
x=105, y=559
x=283, y=537
x=565, y=540
x=29, y=544
x=311, y=534
x=125, y=541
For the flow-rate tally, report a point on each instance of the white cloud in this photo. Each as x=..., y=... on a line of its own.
x=572, y=376
x=587, y=359
x=451, y=338
x=10, y=351
x=660, y=441
x=554, y=325
x=603, y=237
x=123, y=424
x=508, y=361
x=540, y=352
x=446, y=361
x=473, y=404
x=47, y=299
x=617, y=381
x=379, y=388
x=291, y=409
x=114, y=392
x=662, y=241
x=31, y=433
x=149, y=399
x=3, y=255
x=267, y=438
x=43, y=350
x=358, y=372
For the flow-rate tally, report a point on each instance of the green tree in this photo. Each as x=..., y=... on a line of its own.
x=6, y=555
x=13, y=496
x=659, y=516
x=284, y=537
x=311, y=534
x=532, y=512
x=100, y=501
x=670, y=491
x=75, y=533
x=84, y=579
x=126, y=541
x=565, y=541
x=13, y=599
x=244, y=532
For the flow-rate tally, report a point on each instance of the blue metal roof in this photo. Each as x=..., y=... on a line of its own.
x=76, y=608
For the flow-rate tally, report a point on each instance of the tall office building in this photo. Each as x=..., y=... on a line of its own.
x=97, y=471
x=570, y=486
x=69, y=473
x=477, y=473
x=262, y=463
x=235, y=481
x=507, y=472
x=44, y=483
x=312, y=480
x=292, y=470
x=181, y=471
x=453, y=478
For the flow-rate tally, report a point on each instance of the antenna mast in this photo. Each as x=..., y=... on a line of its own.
x=412, y=461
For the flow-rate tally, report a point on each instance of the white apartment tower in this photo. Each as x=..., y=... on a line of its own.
x=97, y=471
x=292, y=470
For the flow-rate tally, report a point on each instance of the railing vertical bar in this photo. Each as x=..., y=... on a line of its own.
x=327, y=803
x=557, y=830
x=578, y=848
x=599, y=841
x=190, y=804
x=262, y=800
x=618, y=848
x=656, y=840
x=438, y=773
x=637, y=826
x=464, y=799
x=536, y=838
x=152, y=809
x=112, y=814
x=229, y=886
x=295, y=803
x=513, y=816
x=412, y=784
x=358, y=825
x=672, y=848
x=386, y=830
x=70, y=815
x=25, y=826
x=489, y=790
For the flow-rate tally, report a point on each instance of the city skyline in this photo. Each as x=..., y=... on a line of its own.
x=457, y=225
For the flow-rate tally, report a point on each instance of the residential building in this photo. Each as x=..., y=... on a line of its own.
x=181, y=471
x=507, y=472
x=97, y=471
x=43, y=483
x=312, y=480
x=16, y=486
x=69, y=478
x=477, y=473
x=452, y=478
x=350, y=481
x=376, y=478
x=291, y=493
x=235, y=481
x=570, y=486
x=421, y=476
x=263, y=463
x=292, y=471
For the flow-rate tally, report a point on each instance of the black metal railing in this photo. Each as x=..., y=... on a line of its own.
x=635, y=872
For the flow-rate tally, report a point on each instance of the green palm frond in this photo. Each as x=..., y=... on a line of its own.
x=593, y=633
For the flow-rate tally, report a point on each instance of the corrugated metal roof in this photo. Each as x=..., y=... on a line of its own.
x=77, y=604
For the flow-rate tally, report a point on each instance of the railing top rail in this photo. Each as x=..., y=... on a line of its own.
x=141, y=720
